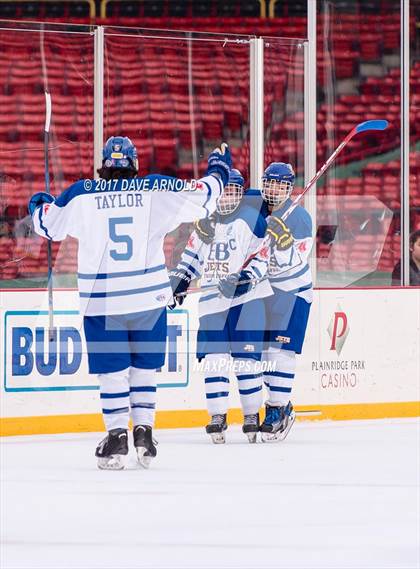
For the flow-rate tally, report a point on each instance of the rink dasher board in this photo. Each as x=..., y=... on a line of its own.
x=361, y=359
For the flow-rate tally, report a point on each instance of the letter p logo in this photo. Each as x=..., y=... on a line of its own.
x=338, y=330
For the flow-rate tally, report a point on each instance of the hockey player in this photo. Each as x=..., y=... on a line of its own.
x=120, y=222
x=221, y=251
x=287, y=312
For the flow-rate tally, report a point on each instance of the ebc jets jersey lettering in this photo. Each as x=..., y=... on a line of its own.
x=237, y=239
x=120, y=226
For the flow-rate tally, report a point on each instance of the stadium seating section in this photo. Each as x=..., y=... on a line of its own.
x=148, y=97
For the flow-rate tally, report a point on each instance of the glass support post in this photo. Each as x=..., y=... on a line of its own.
x=310, y=101
x=98, y=113
x=405, y=141
x=256, y=111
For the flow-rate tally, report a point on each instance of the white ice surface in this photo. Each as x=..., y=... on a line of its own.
x=333, y=495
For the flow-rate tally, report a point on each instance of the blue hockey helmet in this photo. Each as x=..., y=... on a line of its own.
x=277, y=183
x=119, y=152
x=232, y=194
x=235, y=177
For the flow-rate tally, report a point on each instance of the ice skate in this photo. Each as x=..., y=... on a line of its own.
x=112, y=449
x=216, y=429
x=277, y=423
x=145, y=444
x=251, y=426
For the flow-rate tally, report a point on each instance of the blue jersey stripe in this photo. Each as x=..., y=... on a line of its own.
x=122, y=292
x=209, y=296
x=84, y=187
x=204, y=286
x=191, y=254
x=280, y=389
x=209, y=195
x=123, y=274
x=300, y=289
x=42, y=226
x=143, y=389
x=294, y=276
x=190, y=268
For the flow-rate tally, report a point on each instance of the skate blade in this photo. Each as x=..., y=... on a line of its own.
x=270, y=437
x=286, y=431
x=144, y=461
x=114, y=462
x=218, y=438
x=252, y=437
x=280, y=435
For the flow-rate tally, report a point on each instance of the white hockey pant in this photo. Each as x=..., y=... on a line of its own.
x=279, y=376
x=120, y=390
x=217, y=383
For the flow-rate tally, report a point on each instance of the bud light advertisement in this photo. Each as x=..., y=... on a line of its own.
x=39, y=359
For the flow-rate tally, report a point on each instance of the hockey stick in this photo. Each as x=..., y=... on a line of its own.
x=362, y=127
x=215, y=287
x=48, y=190
x=371, y=125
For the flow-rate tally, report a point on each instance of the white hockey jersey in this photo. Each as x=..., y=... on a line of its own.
x=238, y=237
x=120, y=226
x=289, y=270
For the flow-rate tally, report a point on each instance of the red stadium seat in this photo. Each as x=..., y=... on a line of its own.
x=212, y=125
x=166, y=153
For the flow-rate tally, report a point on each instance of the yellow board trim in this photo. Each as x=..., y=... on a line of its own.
x=54, y=424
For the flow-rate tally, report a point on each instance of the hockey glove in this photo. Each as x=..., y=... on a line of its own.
x=279, y=233
x=205, y=228
x=220, y=162
x=38, y=199
x=236, y=284
x=180, y=281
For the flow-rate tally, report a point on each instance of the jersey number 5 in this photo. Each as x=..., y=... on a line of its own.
x=122, y=238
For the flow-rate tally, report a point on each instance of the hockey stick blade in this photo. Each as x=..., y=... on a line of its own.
x=372, y=125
